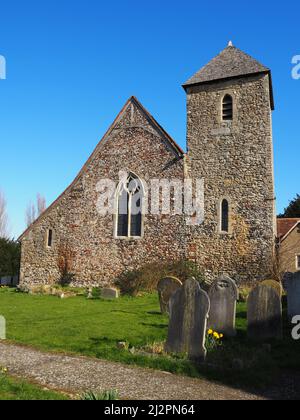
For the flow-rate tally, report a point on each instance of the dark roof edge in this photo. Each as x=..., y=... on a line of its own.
x=172, y=142
x=226, y=79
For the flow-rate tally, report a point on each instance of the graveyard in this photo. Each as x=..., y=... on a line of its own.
x=254, y=353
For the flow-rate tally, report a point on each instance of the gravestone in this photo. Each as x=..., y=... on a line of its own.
x=264, y=313
x=189, y=307
x=293, y=295
x=223, y=296
x=273, y=283
x=109, y=293
x=166, y=287
x=2, y=328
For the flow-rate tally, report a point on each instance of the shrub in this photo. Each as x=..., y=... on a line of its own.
x=66, y=257
x=111, y=395
x=146, y=278
x=10, y=252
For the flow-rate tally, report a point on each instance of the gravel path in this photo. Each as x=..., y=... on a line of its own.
x=78, y=374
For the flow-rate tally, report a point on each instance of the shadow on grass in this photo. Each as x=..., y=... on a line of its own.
x=242, y=315
x=96, y=341
x=154, y=313
x=269, y=369
x=159, y=326
x=117, y=311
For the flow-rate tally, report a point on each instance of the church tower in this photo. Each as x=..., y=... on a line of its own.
x=229, y=139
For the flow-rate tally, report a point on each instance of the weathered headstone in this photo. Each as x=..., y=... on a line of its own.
x=273, y=283
x=189, y=307
x=223, y=296
x=109, y=293
x=2, y=328
x=264, y=313
x=166, y=288
x=293, y=295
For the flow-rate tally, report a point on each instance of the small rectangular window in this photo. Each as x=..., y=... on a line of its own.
x=225, y=216
x=298, y=262
x=50, y=238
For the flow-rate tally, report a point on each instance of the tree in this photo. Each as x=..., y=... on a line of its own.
x=9, y=257
x=3, y=217
x=293, y=210
x=34, y=211
x=41, y=204
x=30, y=214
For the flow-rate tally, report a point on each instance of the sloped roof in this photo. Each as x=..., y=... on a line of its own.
x=230, y=63
x=178, y=151
x=286, y=226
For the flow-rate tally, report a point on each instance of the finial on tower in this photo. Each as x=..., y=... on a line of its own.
x=230, y=44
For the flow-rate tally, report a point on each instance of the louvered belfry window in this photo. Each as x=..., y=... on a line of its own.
x=227, y=108
x=130, y=205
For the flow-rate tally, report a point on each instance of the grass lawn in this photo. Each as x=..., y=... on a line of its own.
x=93, y=328
x=13, y=389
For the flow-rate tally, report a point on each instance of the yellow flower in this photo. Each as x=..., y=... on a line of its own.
x=210, y=332
x=221, y=336
x=216, y=335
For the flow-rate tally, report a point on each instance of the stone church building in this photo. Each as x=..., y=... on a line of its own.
x=229, y=146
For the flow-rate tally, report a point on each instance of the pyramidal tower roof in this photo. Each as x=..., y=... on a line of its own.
x=230, y=63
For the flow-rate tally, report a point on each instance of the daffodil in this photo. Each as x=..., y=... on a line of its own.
x=210, y=332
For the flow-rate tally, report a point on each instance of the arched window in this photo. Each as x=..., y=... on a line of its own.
x=225, y=216
x=130, y=207
x=227, y=108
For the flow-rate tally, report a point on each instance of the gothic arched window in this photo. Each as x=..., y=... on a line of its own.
x=225, y=216
x=130, y=207
x=227, y=108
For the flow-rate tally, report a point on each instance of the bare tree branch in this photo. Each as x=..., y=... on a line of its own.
x=34, y=211
x=30, y=214
x=41, y=204
x=3, y=217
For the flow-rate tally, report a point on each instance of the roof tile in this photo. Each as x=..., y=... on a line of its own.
x=285, y=225
x=231, y=62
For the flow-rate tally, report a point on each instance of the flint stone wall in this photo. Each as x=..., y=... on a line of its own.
x=99, y=257
x=236, y=160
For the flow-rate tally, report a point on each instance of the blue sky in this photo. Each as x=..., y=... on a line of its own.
x=71, y=65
